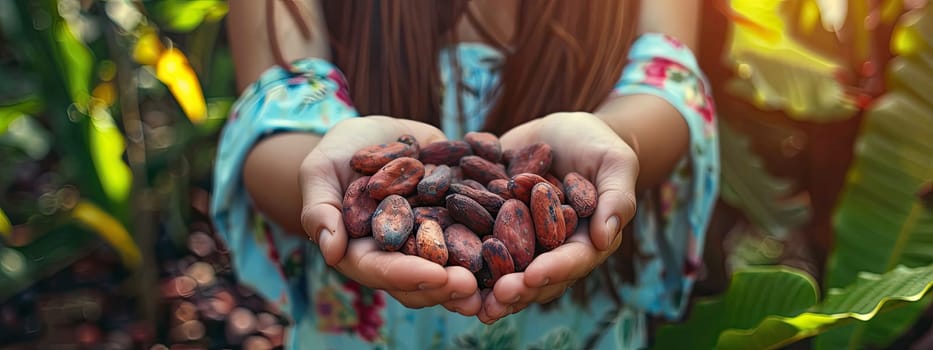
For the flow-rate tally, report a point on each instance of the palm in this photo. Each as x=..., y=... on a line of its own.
x=584, y=144
x=325, y=173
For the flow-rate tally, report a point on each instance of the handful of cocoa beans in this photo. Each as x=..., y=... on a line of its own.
x=465, y=203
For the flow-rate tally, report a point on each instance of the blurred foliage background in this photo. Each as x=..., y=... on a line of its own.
x=110, y=110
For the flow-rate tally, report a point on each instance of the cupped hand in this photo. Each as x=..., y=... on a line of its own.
x=325, y=173
x=581, y=143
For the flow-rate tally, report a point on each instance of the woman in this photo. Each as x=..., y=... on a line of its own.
x=604, y=82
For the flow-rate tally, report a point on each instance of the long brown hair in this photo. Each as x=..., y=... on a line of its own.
x=566, y=55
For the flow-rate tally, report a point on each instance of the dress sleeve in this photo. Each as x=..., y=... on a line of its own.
x=312, y=99
x=670, y=225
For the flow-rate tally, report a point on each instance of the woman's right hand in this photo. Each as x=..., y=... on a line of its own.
x=325, y=173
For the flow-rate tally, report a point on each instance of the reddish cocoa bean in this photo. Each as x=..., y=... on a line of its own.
x=392, y=223
x=481, y=170
x=463, y=247
x=467, y=211
x=490, y=201
x=500, y=187
x=370, y=159
x=520, y=185
x=485, y=145
x=570, y=219
x=550, y=228
x=400, y=176
x=535, y=159
x=497, y=258
x=445, y=152
x=516, y=229
x=558, y=186
x=438, y=214
x=358, y=208
x=581, y=194
x=430, y=242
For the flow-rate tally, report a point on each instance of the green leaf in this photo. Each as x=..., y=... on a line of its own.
x=748, y=186
x=185, y=16
x=754, y=293
x=870, y=295
x=75, y=61
x=880, y=221
x=30, y=105
x=107, y=147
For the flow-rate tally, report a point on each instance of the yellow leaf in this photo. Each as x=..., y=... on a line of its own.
x=148, y=48
x=783, y=74
x=175, y=72
x=110, y=230
x=5, y=227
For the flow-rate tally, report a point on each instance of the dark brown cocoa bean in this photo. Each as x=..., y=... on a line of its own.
x=467, y=211
x=464, y=247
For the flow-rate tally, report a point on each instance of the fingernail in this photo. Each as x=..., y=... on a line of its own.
x=612, y=226
x=324, y=239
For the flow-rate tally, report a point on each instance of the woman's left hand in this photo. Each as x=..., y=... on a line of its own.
x=581, y=143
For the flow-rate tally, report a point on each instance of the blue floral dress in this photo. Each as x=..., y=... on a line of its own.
x=328, y=311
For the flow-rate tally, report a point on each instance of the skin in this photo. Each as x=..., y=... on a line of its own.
x=296, y=179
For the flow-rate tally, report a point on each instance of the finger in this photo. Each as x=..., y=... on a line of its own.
x=374, y=268
x=321, y=216
x=460, y=284
x=552, y=292
x=468, y=306
x=511, y=289
x=615, y=184
x=495, y=308
x=570, y=261
x=482, y=315
x=425, y=133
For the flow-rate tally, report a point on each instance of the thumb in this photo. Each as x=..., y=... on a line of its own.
x=616, y=204
x=321, y=215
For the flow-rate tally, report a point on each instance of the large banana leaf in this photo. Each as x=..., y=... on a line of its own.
x=753, y=294
x=762, y=308
x=869, y=296
x=881, y=222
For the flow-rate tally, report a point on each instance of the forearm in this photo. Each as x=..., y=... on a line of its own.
x=249, y=37
x=270, y=175
x=650, y=125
